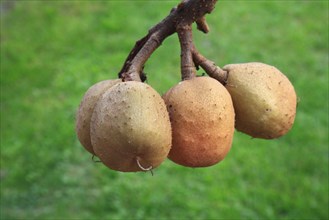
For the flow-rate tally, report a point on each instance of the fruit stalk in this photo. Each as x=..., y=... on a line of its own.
x=209, y=66
x=188, y=70
x=192, y=58
x=187, y=12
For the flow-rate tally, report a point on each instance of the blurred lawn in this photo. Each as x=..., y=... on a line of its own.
x=52, y=51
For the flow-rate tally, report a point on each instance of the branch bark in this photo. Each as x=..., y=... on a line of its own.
x=187, y=12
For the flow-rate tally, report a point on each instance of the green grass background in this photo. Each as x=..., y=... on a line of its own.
x=52, y=51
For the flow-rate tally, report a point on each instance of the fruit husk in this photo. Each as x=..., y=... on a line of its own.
x=264, y=99
x=202, y=118
x=86, y=109
x=130, y=128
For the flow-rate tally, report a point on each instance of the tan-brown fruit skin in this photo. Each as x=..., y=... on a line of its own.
x=202, y=118
x=86, y=109
x=264, y=99
x=130, y=123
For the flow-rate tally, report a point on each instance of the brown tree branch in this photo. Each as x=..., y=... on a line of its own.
x=187, y=12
